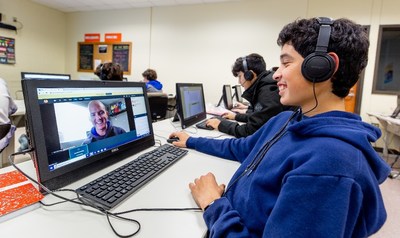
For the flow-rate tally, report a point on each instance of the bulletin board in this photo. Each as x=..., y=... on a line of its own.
x=7, y=50
x=90, y=54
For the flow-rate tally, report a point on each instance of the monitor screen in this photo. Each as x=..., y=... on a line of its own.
x=190, y=103
x=29, y=75
x=238, y=93
x=227, y=96
x=79, y=127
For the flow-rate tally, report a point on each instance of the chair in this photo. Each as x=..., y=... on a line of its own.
x=158, y=105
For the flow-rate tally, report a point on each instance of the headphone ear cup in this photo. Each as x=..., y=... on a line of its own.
x=248, y=75
x=318, y=67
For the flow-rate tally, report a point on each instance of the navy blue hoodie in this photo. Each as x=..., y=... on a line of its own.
x=319, y=179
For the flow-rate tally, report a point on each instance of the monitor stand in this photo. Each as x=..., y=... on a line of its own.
x=397, y=110
x=220, y=101
x=176, y=117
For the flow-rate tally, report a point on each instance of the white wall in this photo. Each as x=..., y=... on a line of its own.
x=199, y=43
x=191, y=43
x=39, y=46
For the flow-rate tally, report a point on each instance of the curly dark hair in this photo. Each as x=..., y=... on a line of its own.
x=110, y=71
x=348, y=40
x=255, y=62
x=150, y=74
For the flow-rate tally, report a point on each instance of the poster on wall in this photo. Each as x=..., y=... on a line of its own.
x=7, y=50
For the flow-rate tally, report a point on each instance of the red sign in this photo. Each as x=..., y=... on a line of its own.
x=92, y=37
x=112, y=37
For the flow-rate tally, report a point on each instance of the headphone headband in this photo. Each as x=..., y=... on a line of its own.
x=324, y=34
x=244, y=60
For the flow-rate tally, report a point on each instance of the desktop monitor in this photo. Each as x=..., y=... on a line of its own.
x=238, y=93
x=190, y=103
x=65, y=132
x=30, y=75
x=226, y=97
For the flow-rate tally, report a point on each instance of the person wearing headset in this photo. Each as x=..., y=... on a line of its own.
x=7, y=108
x=110, y=71
x=260, y=90
x=308, y=173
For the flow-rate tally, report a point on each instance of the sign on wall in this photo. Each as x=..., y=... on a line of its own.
x=7, y=50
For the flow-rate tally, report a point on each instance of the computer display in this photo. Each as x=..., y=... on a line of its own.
x=238, y=93
x=226, y=97
x=190, y=103
x=78, y=127
x=30, y=75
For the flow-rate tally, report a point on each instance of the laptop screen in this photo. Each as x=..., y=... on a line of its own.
x=75, y=125
x=190, y=103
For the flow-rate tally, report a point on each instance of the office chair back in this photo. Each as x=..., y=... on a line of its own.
x=4, y=129
x=158, y=105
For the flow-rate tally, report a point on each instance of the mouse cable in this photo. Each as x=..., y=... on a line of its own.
x=88, y=203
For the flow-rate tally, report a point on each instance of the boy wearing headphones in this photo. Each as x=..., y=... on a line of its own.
x=260, y=90
x=308, y=173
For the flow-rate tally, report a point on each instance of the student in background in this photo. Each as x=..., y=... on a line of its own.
x=150, y=78
x=260, y=90
x=308, y=173
x=7, y=108
x=110, y=71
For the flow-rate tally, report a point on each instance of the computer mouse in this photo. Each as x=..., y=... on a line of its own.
x=172, y=139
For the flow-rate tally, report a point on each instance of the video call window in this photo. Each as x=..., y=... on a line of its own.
x=85, y=126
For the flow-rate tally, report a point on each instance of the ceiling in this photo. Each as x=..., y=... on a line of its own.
x=97, y=5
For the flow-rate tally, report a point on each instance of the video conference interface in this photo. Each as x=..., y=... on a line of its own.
x=79, y=123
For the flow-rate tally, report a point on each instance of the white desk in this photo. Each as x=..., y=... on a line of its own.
x=391, y=128
x=168, y=190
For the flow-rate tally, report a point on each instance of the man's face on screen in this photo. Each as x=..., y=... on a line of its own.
x=98, y=117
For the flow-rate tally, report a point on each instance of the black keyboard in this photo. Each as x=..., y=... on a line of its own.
x=203, y=124
x=109, y=190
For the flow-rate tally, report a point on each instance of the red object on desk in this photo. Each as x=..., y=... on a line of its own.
x=16, y=192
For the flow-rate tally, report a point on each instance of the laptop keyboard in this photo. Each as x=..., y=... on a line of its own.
x=112, y=188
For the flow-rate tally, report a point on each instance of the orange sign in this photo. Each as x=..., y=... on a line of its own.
x=112, y=37
x=92, y=37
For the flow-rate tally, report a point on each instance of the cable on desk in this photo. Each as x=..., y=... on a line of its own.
x=158, y=142
x=85, y=202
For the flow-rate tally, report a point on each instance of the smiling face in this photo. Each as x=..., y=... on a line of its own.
x=294, y=89
x=98, y=116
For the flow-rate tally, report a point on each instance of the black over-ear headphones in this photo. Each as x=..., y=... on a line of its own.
x=319, y=66
x=248, y=74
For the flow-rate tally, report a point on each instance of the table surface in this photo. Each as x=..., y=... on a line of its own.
x=385, y=118
x=168, y=190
